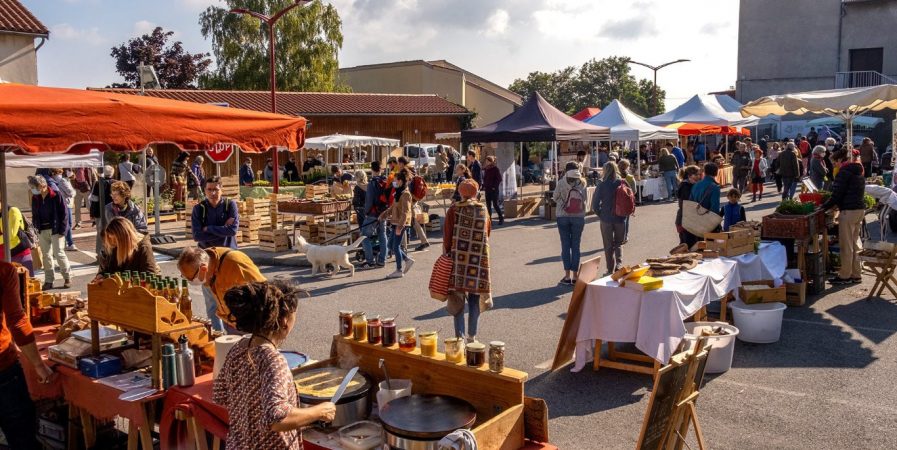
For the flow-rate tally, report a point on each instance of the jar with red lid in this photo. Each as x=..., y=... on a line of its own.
x=375, y=332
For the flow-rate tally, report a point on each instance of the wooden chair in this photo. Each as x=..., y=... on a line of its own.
x=881, y=269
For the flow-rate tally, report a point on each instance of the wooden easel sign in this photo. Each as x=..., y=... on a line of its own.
x=588, y=272
x=671, y=408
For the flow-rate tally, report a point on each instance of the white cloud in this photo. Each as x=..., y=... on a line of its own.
x=142, y=27
x=497, y=23
x=90, y=36
x=201, y=5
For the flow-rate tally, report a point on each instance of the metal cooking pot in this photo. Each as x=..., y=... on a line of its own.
x=317, y=386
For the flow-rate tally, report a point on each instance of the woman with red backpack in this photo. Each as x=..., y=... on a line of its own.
x=613, y=224
x=570, y=198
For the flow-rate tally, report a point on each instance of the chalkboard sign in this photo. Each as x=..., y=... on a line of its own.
x=668, y=385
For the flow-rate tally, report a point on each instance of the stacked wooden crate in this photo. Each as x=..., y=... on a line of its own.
x=250, y=221
x=310, y=231
x=281, y=221
x=314, y=191
x=273, y=240
x=336, y=232
x=230, y=187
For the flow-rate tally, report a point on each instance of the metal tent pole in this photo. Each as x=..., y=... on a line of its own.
x=146, y=197
x=520, y=194
x=7, y=254
x=638, y=169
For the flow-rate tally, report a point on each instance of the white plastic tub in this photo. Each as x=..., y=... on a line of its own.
x=400, y=388
x=760, y=323
x=722, y=348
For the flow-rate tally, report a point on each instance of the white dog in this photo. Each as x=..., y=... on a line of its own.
x=321, y=255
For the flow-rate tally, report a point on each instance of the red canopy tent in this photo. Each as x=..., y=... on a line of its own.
x=586, y=113
x=693, y=129
x=55, y=120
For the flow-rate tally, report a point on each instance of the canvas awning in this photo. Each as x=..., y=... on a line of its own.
x=693, y=129
x=846, y=104
x=705, y=110
x=347, y=141
x=536, y=121
x=586, y=113
x=626, y=125
x=55, y=160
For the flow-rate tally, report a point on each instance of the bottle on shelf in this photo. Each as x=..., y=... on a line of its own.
x=185, y=305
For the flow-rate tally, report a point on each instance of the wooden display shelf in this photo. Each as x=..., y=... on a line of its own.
x=497, y=397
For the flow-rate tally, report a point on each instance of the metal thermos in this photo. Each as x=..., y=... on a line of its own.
x=169, y=369
x=186, y=375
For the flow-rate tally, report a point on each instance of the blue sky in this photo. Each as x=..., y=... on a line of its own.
x=498, y=39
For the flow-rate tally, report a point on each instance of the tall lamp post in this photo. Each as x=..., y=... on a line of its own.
x=271, y=21
x=655, y=69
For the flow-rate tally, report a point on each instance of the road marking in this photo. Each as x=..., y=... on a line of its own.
x=858, y=405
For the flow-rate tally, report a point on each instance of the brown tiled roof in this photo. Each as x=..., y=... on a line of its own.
x=16, y=18
x=315, y=103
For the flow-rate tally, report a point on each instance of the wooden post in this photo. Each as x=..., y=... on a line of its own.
x=157, y=361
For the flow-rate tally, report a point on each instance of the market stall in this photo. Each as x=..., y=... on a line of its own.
x=342, y=142
x=626, y=125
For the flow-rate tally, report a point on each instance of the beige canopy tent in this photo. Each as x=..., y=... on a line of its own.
x=846, y=104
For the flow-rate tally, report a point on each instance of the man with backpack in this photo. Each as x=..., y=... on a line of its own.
x=376, y=201
x=418, y=189
x=215, y=223
x=613, y=202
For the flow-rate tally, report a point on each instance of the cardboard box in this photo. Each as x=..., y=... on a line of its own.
x=763, y=291
x=796, y=293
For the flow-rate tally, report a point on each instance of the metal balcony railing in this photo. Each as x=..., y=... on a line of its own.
x=863, y=78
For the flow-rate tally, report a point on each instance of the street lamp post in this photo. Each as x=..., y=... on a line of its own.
x=270, y=21
x=655, y=69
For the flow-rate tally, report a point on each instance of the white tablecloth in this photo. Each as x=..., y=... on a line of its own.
x=769, y=264
x=654, y=187
x=652, y=320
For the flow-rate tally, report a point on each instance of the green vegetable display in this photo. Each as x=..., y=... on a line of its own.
x=795, y=208
x=869, y=201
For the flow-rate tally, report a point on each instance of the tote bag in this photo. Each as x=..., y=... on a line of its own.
x=697, y=219
x=439, y=278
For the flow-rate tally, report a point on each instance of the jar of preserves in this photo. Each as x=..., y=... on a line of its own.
x=454, y=350
x=345, y=324
x=374, y=330
x=496, y=356
x=476, y=354
x=389, y=331
x=407, y=339
x=428, y=340
x=359, y=326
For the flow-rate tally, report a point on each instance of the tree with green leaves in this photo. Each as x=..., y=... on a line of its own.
x=595, y=83
x=307, y=42
x=175, y=67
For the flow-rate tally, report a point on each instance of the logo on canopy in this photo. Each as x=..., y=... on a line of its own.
x=220, y=153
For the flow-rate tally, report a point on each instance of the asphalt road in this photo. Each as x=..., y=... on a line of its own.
x=826, y=384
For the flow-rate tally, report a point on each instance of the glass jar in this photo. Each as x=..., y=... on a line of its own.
x=496, y=356
x=359, y=326
x=345, y=324
x=428, y=340
x=389, y=331
x=476, y=354
x=407, y=339
x=374, y=330
x=454, y=350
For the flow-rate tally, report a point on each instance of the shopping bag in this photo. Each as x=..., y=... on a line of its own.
x=439, y=278
x=697, y=219
x=37, y=260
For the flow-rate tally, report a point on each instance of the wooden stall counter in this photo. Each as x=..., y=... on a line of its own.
x=504, y=417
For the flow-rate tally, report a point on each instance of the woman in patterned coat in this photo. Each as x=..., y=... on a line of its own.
x=466, y=241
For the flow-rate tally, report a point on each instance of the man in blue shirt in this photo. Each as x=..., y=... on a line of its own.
x=247, y=176
x=371, y=224
x=706, y=192
x=700, y=151
x=215, y=223
x=677, y=152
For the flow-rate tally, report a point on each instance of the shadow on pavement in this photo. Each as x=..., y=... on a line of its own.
x=554, y=259
x=875, y=319
x=588, y=391
x=533, y=298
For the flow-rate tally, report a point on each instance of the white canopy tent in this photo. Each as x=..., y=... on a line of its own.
x=343, y=141
x=706, y=110
x=846, y=104
x=55, y=160
x=626, y=125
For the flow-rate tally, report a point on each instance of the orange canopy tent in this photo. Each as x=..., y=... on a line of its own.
x=41, y=120
x=693, y=129
x=55, y=120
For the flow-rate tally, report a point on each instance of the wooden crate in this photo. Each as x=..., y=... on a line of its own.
x=273, y=235
x=784, y=226
x=732, y=243
x=250, y=237
x=520, y=207
x=796, y=293
x=761, y=292
x=316, y=190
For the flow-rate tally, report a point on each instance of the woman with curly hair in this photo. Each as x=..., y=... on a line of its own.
x=255, y=384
